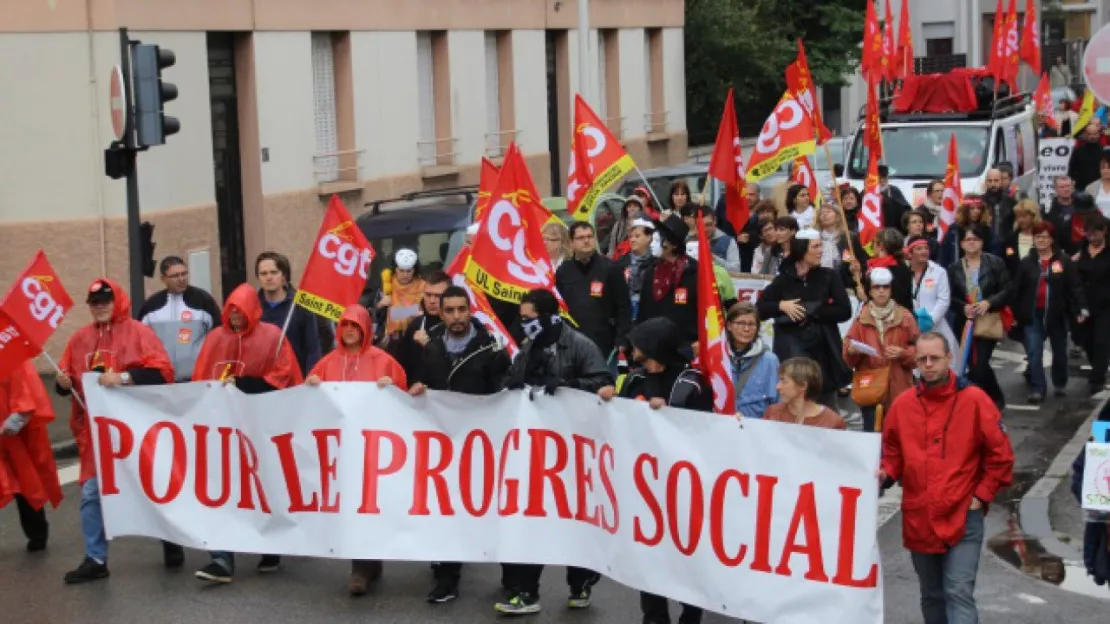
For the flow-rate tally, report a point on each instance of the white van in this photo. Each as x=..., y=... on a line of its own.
x=916, y=147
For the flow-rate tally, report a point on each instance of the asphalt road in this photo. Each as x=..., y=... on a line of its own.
x=141, y=591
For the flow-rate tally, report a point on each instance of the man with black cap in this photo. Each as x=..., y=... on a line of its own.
x=125, y=353
x=669, y=288
x=663, y=377
x=552, y=355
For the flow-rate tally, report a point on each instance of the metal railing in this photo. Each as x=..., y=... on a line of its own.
x=436, y=157
x=655, y=122
x=938, y=63
x=618, y=128
x=326, y=166
x=495, y=142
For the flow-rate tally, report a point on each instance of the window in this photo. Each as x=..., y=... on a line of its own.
x=609, y=92
x=426, y=98
x=653, y=73
x=323, y=91
x=493, y=97
x=938, y=47
x=501, y=117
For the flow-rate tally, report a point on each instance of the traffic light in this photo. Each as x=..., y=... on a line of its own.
x=151, y=93
x=146, y=247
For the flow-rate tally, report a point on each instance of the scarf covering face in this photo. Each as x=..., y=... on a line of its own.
x=667, y=275
x=882, y=315
x=543, y=330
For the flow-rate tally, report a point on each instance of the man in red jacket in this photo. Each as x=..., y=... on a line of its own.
x=944, y=440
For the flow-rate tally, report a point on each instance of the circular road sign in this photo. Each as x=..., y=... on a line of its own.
x=117, y=103
x=1096, y=64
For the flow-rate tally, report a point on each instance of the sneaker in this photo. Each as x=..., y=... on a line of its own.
x=1060, y=393
x=269, y=563
x=173, y=556
x=89, y=570
x=445, y=590
x=36, y=545
x=1036, y=398
x=214, y=573
x=520, y=603
x=580, y=597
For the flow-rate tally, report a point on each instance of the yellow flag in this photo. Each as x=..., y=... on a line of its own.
x=1086, y=111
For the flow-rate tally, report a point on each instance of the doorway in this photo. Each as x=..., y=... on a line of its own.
x=553, y=112
x=225, y=159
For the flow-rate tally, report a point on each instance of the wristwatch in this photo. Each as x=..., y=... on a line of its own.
x=125, y=378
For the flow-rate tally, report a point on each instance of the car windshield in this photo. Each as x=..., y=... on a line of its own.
x=836, y=148
x=921, y=152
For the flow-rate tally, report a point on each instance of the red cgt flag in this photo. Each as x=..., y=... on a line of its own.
x=904, y=55
x=873, y=137
x=597, y=161
x=994, y=64
x=31, y=312
x=953, y=193
x=787, y=134
x=1031, y=38
x=799, y=81
x=803, y=174
x=336, y=272
x=1042, y=100
x=871, y=64
x=888, y=60
x=871, y=213
x=713, y=358
x=727, y=165
x=487, y=178
x=1010, y=61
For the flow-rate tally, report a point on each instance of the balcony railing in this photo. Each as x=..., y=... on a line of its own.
x=335, y=166
x=433, y=152
x=655, y=122
x=496, y=143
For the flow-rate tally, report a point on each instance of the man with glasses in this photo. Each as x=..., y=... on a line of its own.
x=944, y=441
x=181, y=315
x=595, y=291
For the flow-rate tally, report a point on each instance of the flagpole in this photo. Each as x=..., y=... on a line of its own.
x=285, y=328
x=58, y=369
x=648, y=185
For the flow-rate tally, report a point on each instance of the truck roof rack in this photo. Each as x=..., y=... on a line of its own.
x=1000, y=108
x=466, y=193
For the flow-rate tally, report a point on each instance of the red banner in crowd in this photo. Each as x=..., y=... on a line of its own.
x=953, y=193
x=713, y=358
x=888, y=61
x=871, y=213
x=1031, y=38
x=597, y=161
x=873, y=129
x=727, y=165
x=803, y=174
x=336, y=272
x=799, y=81
x=31, y=312
x=904, y=55
x=1042, y=100
x=786, y=135
x=871, y=63
x=486, y=179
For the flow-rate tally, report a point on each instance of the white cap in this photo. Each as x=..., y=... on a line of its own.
x=692, y=249
x=472, y=229
x=644, y=223
x=881, y=276
x=807, y=234
x=405, y=259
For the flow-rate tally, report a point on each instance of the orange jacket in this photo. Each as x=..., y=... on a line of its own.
x=122, y=344
x=252, y=352
x=26, y=460
x=901, y=332
x=369, y=363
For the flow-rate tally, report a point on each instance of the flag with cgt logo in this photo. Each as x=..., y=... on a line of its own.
x=713, y=359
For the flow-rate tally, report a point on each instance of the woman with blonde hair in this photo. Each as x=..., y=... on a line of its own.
x=972, y=211
x=1018, y=243
x=556, y=238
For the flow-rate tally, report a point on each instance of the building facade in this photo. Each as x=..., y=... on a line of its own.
x=284, y=102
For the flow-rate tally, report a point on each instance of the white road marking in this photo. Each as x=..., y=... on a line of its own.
x=1031, y=599
x=1027, y=408
x=69, y=474
x=889, y=505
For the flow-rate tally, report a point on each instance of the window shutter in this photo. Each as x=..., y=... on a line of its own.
x=493, y=96
x=323, y=86
x=602, y=83
x=426, y=104
x=649, y=117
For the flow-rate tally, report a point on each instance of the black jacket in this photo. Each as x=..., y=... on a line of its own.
x=1094, y=274
x=1069, y=221
x=1002, y=206
x=684, y=388
x=895, y=207
x=1065, y=298
x=408, y=352
x=680, y=305
x=598, y=300
x=1083, y=165
x=302, y=334
x=1011, y=253
x=574, y=361
x=479, y=369
x=995, y=286
x=901, y=287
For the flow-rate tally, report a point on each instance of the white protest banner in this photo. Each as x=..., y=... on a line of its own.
x=763, y=521
x=1052, y=162
x=1096, y=477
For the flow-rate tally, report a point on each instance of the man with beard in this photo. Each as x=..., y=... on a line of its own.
x=245, y=351
x=409, y=349
x=552, y=356
x=463, y=358
x=999, y=201
x=125, y=353
x=664, y=377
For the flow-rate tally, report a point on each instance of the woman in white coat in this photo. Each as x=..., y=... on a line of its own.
x=931, y=292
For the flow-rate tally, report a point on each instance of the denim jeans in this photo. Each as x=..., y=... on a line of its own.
x=948, y=581
x=1035, y=335
x=226, y=559
x=92, y=523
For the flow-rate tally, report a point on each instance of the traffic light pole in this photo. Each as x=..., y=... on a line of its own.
x=135, y=257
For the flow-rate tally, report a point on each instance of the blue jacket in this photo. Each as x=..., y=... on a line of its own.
x=302, y=334
x=759, y=391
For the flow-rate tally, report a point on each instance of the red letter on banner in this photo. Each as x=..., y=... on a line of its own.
x=607, y=483
x=697, y=507
x=200, y=484
x=146, y=462
x=248, y=473
x=372, y=470
x=327, y=468
x=510, y=486
x=425, y=473
x=297, y=504
x=466, y=473
x=584, y=479
x=761, y=562
x=805, y=514
x=649, y=500
x=539, y=471
x=846, y=550
x=717, y=516
x=108, y=455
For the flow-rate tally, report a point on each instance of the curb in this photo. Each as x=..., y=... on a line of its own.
x=1033, y=509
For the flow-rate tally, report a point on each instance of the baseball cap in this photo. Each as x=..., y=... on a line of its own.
x=100, y=291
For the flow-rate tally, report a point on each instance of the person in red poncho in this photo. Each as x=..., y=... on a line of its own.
x=254, y=357
x=355, y=358
x=125, y=353
x=27, y=470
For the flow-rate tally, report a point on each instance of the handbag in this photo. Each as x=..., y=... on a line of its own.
x=869, y=387
x=989, y=326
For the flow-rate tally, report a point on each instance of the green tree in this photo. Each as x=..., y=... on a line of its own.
x=748, y=44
